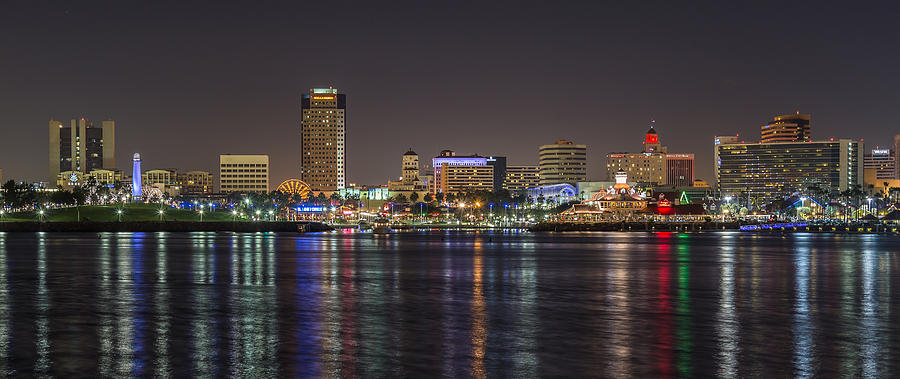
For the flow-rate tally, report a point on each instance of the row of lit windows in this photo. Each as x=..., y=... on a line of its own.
x=243, y=165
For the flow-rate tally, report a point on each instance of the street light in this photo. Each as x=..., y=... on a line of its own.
x=119, y=213
x=161, y=213
x=201, y=215
x=234, y=215
x=41, y=214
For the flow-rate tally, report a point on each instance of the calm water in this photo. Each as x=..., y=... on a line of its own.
x=449, y=304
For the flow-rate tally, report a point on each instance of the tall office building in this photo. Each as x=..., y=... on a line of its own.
x=882, y=162
x=323, y=130
x=762, y=172
x=499, y=165
x=244, y=173
x=680, y=170
x=786, y=128
x=520, y=178
x=449, y=158
x=562, y=162
x=719, y=140
x=81, y=147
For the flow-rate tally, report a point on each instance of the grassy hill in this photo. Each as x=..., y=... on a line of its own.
x=130, y=213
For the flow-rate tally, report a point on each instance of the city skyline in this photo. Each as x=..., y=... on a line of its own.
x=181, y=105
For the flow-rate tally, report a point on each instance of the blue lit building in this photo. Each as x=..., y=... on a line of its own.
x=553, y=193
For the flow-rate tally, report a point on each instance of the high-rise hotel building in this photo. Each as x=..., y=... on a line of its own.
x=786, y=128
x=323, y=129
x=81, y=147
x=764, y=172
x=562, y=162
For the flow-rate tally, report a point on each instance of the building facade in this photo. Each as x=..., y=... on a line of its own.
x=520, y=178
x=464, y=178
x=323, y=130
x=882, y=162
x=196, y=182
x=80, y=146
x=786, y=128
x=562, y=162
x=762, y=172
x=680, y=170
x=648, y=168
x=449, y=158
x=719, y=140
x=165, y=177
x=244, y=173
x=410, y=181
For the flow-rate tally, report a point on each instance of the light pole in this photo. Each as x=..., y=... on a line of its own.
x=161, y=213
x=2, y=213
x=234, y=216
x=201, y=214
x=119, y=214
x=41, y=215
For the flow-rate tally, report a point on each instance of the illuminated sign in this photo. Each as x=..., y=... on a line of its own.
x=310, y=209
x=881, y=152
x=323, y=97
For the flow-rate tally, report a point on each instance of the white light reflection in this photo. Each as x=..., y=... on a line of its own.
x=804, y=345
x=728, y=325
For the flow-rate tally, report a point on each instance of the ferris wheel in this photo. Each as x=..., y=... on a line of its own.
x=294, y=187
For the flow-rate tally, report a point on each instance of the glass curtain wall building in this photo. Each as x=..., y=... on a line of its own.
x=758, y=173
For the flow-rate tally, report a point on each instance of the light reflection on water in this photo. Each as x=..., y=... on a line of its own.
x=451, y=304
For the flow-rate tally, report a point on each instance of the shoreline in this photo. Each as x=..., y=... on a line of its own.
x=163, y=226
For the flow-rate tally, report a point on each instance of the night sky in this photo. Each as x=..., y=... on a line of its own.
x=187, y=82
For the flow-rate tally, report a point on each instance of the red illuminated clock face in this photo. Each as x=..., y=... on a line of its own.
x=652, y=138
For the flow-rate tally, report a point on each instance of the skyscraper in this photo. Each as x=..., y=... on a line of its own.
x=786, y=128
x=322, y=139
x=81, y=147
x=562, y=162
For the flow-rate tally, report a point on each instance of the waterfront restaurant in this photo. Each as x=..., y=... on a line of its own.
x=618, y=202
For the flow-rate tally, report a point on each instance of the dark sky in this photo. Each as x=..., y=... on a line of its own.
x=186, y=82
